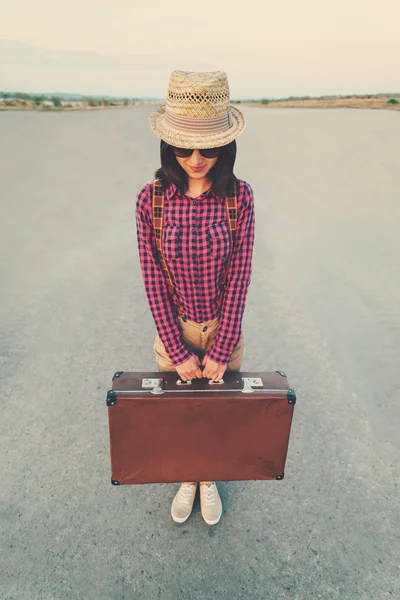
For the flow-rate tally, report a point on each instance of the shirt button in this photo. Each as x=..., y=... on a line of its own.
x=194, y=202
x=204, y=329
x=193, y=228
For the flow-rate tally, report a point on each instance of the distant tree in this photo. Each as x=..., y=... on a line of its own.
x=265, y=101
x=392, y=101
x=56, y=100
x=38, y=99
x=22, y=96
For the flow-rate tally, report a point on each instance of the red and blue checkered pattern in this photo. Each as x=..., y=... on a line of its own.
x=196, y=244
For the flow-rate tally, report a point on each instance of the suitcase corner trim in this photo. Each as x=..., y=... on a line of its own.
x=111, y=398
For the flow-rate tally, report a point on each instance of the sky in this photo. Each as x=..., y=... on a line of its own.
x=268, y=49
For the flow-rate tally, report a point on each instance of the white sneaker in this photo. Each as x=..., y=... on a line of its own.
x=182, y=504
x=211, y=505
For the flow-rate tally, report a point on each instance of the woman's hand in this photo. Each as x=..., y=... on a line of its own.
x=190, y=369
x=212, y=370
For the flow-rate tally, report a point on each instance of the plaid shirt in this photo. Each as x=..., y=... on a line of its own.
x=196, y=244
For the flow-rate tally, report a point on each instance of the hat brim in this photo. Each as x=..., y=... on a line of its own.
x=182, y=139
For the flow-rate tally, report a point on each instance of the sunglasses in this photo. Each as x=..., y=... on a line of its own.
x=206, y=152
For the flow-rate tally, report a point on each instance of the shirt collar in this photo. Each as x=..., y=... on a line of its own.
x=172, y=191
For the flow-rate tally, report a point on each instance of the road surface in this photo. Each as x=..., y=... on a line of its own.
x=323, y=305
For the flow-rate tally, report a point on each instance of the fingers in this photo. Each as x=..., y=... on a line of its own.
x=213, y=370
x=197, y=373
x=190, y=369
x=215, y=376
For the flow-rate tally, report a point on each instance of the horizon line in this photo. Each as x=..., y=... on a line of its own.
x=162, y=99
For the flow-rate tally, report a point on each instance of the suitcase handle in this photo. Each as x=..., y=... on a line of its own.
x=210, y=382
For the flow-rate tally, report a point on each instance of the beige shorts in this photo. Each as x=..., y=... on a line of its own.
x=197, y=341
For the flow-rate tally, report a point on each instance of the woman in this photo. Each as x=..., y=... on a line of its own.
x=195, y=255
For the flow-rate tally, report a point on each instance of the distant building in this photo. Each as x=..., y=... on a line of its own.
x=72, y=102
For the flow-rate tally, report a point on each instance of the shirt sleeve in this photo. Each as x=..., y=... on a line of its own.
x=160, y=302
x=238, y=280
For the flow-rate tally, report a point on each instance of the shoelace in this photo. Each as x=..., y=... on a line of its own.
x=185, y=495
x=209, y=495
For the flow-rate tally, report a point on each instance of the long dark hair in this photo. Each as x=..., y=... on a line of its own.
x=221, y=175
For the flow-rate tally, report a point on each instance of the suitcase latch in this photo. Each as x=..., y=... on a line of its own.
x=154, y=385
x=251, y=382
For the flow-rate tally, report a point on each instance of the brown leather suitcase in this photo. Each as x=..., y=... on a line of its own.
x=163, y=430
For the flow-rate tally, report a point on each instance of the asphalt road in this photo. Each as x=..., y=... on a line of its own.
x=323, y=305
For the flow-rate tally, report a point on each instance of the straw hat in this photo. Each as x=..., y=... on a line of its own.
x=197, y=112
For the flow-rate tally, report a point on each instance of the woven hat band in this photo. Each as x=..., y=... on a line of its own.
x=197, y=125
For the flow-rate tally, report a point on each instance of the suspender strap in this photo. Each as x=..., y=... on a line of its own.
x=231, y=213
x=158, y=222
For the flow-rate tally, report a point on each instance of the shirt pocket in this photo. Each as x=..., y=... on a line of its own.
x=218, y=239
x=172, y=242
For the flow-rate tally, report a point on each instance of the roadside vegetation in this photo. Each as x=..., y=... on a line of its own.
x=377, y=101
x=23, y=101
